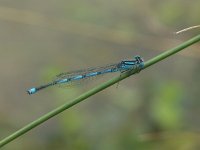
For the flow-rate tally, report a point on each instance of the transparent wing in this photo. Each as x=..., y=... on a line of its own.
x=69, y=75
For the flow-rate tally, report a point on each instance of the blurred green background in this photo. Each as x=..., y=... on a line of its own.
x=156, y=109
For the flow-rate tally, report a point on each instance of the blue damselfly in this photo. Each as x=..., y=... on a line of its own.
x=75, y=76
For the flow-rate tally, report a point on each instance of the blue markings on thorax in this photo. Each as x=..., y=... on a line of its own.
x=130, y=63
x=126, y=65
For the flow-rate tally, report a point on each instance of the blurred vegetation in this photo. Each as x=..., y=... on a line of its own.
x=156, y=109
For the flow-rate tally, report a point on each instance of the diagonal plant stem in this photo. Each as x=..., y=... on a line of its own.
x=96, y=90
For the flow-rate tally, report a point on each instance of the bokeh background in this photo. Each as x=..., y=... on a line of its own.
x=156, y=109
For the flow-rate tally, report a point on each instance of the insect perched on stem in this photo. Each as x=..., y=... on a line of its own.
x=76, y=76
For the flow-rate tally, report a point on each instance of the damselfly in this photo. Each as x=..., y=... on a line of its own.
x=71, y=77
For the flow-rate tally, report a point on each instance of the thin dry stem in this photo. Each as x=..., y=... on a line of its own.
x=187, y=29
